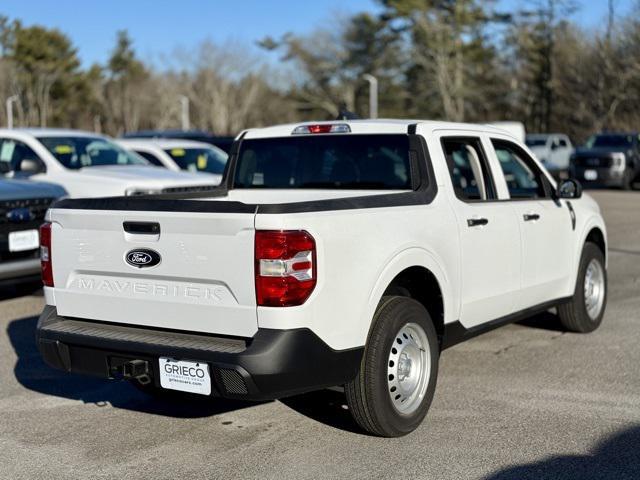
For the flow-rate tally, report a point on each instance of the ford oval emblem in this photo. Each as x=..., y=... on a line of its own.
x=20, y=215
x=142, y=257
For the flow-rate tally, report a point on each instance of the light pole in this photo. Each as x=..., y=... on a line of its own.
x=9, y=104
x=97, y=124
x=373, y=94
x=184, y=111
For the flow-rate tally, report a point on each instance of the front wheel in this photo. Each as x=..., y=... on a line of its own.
x=396, y=381
x=635, y=181
x=584, y=312
x=629, y=179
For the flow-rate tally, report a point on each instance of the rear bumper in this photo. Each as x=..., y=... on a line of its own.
x=272, y=364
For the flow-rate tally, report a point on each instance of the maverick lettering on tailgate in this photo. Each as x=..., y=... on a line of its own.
x=214, y=294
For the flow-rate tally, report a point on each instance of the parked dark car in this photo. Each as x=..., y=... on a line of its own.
x=223, y=142
x=23, y=205
x=608, y=160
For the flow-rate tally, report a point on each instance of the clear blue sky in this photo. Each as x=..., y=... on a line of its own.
x=159, y=26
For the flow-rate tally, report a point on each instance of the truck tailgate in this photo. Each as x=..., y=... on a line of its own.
x=204, y=281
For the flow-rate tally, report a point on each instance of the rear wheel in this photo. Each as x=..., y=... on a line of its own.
x=628, y=179
x=584, y=312
x=396, y=381
x=635, y=181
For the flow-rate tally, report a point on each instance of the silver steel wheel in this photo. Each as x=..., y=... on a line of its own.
x=594, y=287
x=408, y=368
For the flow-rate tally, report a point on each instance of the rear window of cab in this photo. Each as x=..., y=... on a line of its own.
x=372, y=162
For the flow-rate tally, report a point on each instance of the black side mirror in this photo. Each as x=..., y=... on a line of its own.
x=569, y=189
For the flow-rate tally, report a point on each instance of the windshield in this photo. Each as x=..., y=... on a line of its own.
x=211, y=160
x=536, y=142
x=81, y=152
x=327, y=161
x=607, y=141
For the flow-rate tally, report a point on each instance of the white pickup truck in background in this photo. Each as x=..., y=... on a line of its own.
x=334, y=253
x=554, y=150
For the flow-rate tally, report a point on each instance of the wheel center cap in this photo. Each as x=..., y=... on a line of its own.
x=404, y=366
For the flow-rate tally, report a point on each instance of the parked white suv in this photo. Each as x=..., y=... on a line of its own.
x=179, y=155
x=347, y=253
x=89, y=165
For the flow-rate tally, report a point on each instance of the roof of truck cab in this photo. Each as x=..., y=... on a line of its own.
x=381, y=126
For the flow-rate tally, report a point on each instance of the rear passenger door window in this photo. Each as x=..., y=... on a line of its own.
x=524, y=179
x=468, y=168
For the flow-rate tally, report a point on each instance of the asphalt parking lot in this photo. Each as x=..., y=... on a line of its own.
x=527, y=401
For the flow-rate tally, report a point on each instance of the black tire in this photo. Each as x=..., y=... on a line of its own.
x=635, y=181
x=573, y=315
x=628, y=178
x=368, y=394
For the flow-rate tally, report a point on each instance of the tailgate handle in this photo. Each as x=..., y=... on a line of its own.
x=142, y=228
x=477, y=222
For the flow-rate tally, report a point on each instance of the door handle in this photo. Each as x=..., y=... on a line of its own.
x=529, y=217
x=477, y=222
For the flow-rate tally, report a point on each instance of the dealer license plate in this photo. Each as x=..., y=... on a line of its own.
x=186, y=376
x=23, y=240
x=590, y=175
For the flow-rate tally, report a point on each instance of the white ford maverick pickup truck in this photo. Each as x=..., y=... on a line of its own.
x=334, y=253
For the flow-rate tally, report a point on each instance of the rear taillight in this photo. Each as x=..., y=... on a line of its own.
x=45, y=254
x=285, y=263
